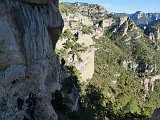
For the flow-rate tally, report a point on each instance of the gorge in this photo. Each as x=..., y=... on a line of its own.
x=110, y=69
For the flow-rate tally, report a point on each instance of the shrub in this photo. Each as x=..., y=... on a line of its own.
x=66, y=34
x=86, y=30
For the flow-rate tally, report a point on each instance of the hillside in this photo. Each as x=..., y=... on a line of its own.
x=123, y=66
x=76, y=61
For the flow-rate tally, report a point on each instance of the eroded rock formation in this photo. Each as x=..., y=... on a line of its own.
x=28, y=64
x=37, y=1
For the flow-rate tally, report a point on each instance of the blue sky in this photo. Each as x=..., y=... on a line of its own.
x=127, y=6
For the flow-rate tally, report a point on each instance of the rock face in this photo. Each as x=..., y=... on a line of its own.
x=95, y=20
x=28, y=64
x=143, y=19
x=153, y=32
x=126, y=28
x=38, y=1
x=92, y=10
x=149, y=82
x=138, y=15
x=79, y=24
x=156, y=114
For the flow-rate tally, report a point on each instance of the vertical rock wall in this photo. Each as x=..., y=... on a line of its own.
x=29, y=30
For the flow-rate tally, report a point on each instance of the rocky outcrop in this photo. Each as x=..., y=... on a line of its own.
x=92, y=10
x=88, y=28
x=138, y=15
x=37, y=1
x=149, y=82
x=82, y=29
x=129, y=65
x=153, y=32
x=28, y=63
x=143, y=19
x=156, y=115
x=111, y=21
x=125, y=28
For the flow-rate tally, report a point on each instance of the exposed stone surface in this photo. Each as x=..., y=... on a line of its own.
x=28, y=35
x=153, y=32
x=75, y=23
x=143, y=19
x=97, y=25
x=38, y=1
x=156, y=114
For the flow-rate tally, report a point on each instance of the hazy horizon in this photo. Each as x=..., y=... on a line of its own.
x=123, y=6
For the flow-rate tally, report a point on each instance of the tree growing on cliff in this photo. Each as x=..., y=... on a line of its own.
x=94, y=100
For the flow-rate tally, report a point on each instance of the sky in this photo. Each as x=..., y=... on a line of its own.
x=125, y=6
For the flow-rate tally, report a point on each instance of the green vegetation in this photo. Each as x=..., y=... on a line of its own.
x=66, y=34
x=60, y=102
x=114, y=93
x=86, y=30
x=125, y=99
x=75, y=48
x=94, y=100
x=100, y=100
x=71, y=46
x=67, y=8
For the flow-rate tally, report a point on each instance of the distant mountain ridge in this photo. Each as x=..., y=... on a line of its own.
x=143, y=19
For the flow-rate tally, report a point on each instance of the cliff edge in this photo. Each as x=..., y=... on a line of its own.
x=29, y=68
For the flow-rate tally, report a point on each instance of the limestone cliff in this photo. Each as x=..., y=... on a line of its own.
x=29, y=30
x=88, y=22
x=78, y=32
x=120, y=44
x=153, y=32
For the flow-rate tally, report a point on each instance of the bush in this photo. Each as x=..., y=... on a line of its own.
x=86, y=30
x=66, y=34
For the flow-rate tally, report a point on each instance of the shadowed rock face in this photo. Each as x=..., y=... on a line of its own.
x=38, y=1
x=156, y=114
x=28, y=34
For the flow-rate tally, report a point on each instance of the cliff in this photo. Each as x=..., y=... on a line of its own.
x=29, y=67
x=110, y=51
x=76, y=41
x=115, y=55
x=81, y=27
